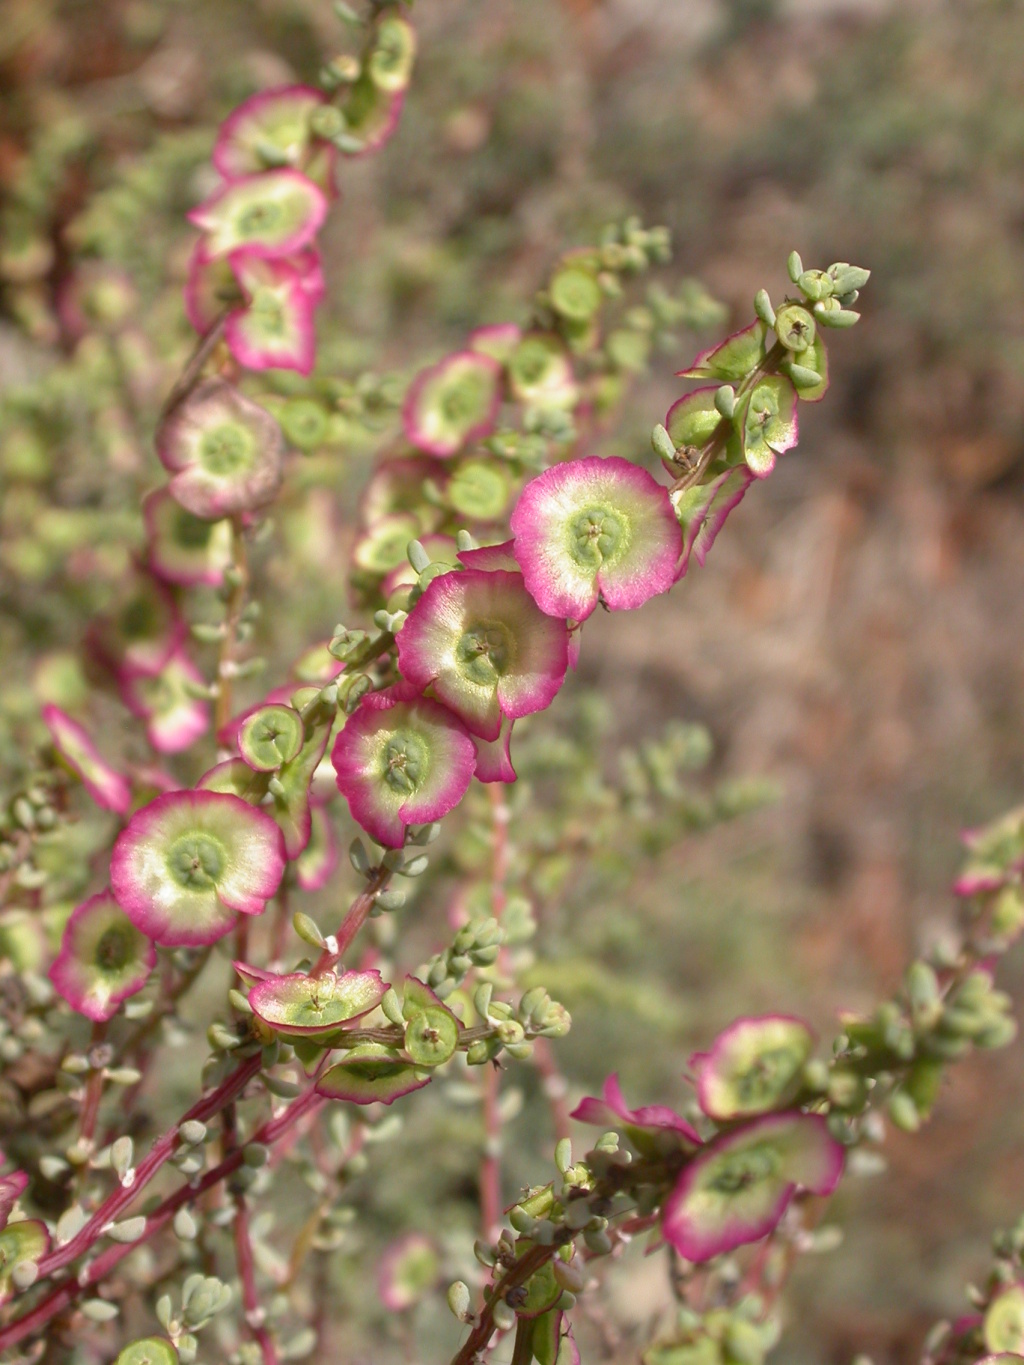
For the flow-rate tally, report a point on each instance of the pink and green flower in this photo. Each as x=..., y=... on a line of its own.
x=395, y=486
x=452, y=403
x=104, y=958
x=183, y=548
x=390, y=64
x=995, y=855
x=1003, y=1325
x=225, y=453
x=143, y=632
x=318, y=861
x=275, y=213
x=611, y=1111
x=732, y=359
x=107, y=787
x=167, y=703
x=540, y=372
x=372, y=1074
x=498, y=340
x=384, y=545
x=272, y=129
x=372, y=115
x=304, y=1006
x=704, y=510
x=737, y=1188
x=408, y=1270
x=489, y=652
x=270, y=736
x=190, y=861
x=494, y=756
x=595, y=530
x=274, y=329
x=402, y=760
x=491, y=557
x=215, y=283
x=753, y=1066
x=12, y=1186
x=768, y=424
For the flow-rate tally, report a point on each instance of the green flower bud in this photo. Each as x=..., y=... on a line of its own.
x=815, y=285
x=570, y=1275
x=763, y=308
x=308, y=930
x=1008, y=912
x=830, y=313
x=128, y=1231
x=745, y=1342
x=184, y=1225
x=25, y=1274
x=662, y=444
x=124, y=1075
x=578, y=1214
x=458, y=1301
x=121, y=1153
x=99, y=1310
x=846, y=1089
x=597, y=1241
x=390, y=899
x=847, y=278
x=903, y=1111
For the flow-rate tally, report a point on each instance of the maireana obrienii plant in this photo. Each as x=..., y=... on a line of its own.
x=488, y=536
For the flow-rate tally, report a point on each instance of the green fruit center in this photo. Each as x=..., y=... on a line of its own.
x=140, y=619
x=226, y=449
x=738, y=1171
x=768, y=1074
x=196, y=861
x=485, y=652
x=596, y=535
x=256, y=220
x=268, y=312
x=191, y=533
x=462, y=403
x=114, y=949
x=406, y=759
x=531, y=363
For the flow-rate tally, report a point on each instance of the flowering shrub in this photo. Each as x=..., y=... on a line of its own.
x=487, y=537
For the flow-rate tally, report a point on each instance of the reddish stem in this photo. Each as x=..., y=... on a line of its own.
x=162, y=1150
x=353, y=922
x=554, y=1086
x=490, y=1163
x=93, y=1089
x=97, y=1270
x=254, y=1312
